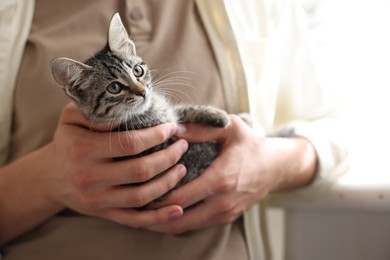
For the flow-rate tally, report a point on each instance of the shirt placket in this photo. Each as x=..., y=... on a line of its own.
x=138, y=21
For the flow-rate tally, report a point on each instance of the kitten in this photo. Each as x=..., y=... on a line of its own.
x=115, y=86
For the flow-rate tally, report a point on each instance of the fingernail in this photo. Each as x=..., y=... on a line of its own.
x=181, y=170
x=181, y=129
x=183, y=145
x=175, y=214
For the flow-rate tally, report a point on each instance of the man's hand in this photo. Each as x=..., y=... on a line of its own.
x=87, y=180
x=247, y=168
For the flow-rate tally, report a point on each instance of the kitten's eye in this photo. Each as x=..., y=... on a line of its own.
x=115, y=88
x=138, y=71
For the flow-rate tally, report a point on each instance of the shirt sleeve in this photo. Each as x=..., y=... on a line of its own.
x=15, y=23
x=308, y=105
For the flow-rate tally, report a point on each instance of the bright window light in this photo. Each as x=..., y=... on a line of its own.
x=354, y=36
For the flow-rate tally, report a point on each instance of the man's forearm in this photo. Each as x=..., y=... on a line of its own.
x=296, y=164
x=24, y=200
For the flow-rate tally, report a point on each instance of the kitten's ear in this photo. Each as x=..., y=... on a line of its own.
x=66, y=72
x=118, y=39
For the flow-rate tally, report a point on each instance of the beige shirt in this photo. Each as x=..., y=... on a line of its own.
x=170, y=37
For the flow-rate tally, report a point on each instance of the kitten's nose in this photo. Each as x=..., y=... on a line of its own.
x=141, y=93
x=138, y=89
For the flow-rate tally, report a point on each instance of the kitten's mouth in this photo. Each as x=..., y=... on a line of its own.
x=142, y=102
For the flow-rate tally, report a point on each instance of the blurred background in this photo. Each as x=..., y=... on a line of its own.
x=354, y=40
x=351, y=221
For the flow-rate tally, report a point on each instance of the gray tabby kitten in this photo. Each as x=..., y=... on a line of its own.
x=115, y=86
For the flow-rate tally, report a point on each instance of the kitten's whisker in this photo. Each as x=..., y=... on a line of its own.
x=110, y=135
x=173, y=79
x=172, y=90
x=174, y=83
x=110, y=140
x=159, y=78
x=152, y=71
x=115, y=119
x=176, y=77
x=173, y=93
x=119, y=138
x=178, y=72
x=133, y=135
x=169, y=89
x=127, y=133
x=92, y=123
x=90, y=129
x=178, y=84
x=124, y=121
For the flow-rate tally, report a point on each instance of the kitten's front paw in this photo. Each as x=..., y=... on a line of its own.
x=204, y=115
x=217, y=118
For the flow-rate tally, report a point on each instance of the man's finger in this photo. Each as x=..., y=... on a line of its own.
x=125, y=143
x=143, y=218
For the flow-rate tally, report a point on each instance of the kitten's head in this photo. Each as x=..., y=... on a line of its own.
x=110, y=87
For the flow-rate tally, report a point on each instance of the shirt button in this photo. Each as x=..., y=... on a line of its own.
x=136, y=14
